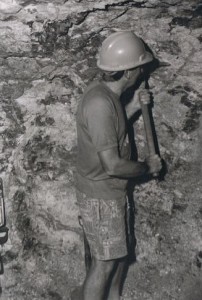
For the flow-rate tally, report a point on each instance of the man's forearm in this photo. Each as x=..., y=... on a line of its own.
x=128, y=169
x=131, y=109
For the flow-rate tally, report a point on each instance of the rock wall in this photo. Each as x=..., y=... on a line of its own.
x=47, y=57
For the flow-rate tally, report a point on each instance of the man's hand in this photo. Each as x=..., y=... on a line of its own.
x=133, y=106
x=154, y=163
x=144, y=96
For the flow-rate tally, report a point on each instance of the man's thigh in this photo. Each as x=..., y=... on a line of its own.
x=104, y=224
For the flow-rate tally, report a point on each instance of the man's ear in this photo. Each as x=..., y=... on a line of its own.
x=127, y=74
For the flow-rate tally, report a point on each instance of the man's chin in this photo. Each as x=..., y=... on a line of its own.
x=129, y=86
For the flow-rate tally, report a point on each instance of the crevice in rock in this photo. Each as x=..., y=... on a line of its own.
x=125, y=3
x=170, y=3
x=29, y=2
x=55, y=33
x=119, y=15
x=128, y=4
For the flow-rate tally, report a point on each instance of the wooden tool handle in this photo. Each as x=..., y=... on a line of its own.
x=148, y=130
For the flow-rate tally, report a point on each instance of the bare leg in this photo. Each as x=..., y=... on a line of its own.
x=77, y=293
x=97, y=278
x=114, y=292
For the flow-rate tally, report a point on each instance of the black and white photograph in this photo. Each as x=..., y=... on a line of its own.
x=100, y=150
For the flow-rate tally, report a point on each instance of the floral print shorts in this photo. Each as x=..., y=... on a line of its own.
x=105, y=226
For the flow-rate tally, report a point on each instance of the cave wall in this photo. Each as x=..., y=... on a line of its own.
x=47, y=57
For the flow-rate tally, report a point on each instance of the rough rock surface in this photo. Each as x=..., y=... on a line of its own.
x=47, y=57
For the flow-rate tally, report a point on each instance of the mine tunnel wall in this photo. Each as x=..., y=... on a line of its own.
x=47, y=57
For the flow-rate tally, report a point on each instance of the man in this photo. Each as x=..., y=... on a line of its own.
x=104, y=163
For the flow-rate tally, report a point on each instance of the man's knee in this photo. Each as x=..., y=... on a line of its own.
x=104, y=266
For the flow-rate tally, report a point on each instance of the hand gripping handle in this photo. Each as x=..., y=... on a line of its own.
x=148, y=129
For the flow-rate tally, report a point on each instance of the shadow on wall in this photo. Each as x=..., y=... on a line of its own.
x=130, y=215
x=149, y=68
x=199, y=156
x=3, y=228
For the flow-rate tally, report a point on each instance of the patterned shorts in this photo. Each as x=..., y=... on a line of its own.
x=104, y=225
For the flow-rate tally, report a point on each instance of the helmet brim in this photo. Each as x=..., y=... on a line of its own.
x=148, y=57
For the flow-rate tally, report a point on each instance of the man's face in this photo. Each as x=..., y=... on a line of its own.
x=133, y=75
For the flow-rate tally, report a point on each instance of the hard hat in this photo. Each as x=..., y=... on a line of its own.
x=121, y=51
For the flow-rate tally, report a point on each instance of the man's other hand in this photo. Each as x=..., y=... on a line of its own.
x=144, y=96
x=154, y=163
x=133, y=106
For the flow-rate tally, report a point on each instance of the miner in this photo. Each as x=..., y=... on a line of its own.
x=104, y=165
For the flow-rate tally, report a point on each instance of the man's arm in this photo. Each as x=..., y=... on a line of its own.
x=131, y=108
x=117, y=167
x=134, y=105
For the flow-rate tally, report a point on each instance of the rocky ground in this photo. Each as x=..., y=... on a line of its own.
x=47, y=57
